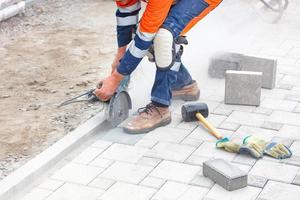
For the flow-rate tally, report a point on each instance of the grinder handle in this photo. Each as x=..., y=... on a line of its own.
x=208, y=125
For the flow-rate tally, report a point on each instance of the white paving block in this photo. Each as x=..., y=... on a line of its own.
x=219, y=193
x=191, y=142
x=102, y=183
x=202, y=134
x=88, y=155
x=280, y=191
x=274, y=171
x=124, y=191
x=264, y=134
x=291, y=132
x=146, y=143
x=101, y=162
x=126, y=153
x=245, y=118
x=101, y=144
x=51, y=184
x=75, y=192
x=285, y=118
x=180, y=172
x=168, y=151
x=166, y=134
x=180, y=191
x=152, y=182
x=77, y=173
x=152, y=162
x=37, y=194
x=127, y=172
x=278, y=104
x=209, y=150
x=295, y=148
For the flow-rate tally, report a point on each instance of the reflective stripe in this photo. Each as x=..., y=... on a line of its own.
x=130, y=9
x=126, y=21
x=145, y=36
x=136, y=52
x=176, y=66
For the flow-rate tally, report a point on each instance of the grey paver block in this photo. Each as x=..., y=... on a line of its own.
x=247, y=193
x=295, y=148
x=243, y=108
x=126, y=172
x=77, y=173
x=168, y=151
x=279, y=191
x=257, y=181
x=225, y=174
x=222, y=62
x=153, y=182
x=102, y=183
x=274, y=171
x=117, y=135
x=167, y=134
x=101, y=144
x=294, y=160
x=268, y=68
x=126, y=153
x=127, y=191
x=243, y=88
x=222, y=111
x=180, y=172
x=82, y=192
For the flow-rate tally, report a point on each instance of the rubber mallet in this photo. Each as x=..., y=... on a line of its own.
x=198, y=112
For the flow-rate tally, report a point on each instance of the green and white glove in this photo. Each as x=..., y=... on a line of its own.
x=228, y=145
x=257, y=147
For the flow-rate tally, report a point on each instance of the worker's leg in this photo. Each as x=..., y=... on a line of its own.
x=181, y=17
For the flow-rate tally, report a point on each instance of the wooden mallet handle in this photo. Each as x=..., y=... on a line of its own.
x=209, y=126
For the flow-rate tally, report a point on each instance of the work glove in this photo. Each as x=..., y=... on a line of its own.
x=228, y=145
x=258, y=147
x=106, y=89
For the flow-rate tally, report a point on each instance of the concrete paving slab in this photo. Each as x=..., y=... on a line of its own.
x=278, y=191
x=117, y=135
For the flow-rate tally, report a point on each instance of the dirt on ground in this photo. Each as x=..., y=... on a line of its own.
x=55, y=50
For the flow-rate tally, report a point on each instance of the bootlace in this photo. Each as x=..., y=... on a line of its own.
x=148, y=109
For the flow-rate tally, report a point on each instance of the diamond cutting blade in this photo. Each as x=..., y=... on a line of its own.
x=118, y=109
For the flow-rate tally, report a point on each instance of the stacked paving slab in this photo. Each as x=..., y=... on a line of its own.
x=244, y=76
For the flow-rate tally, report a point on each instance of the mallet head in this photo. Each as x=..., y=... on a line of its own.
x=189, y=111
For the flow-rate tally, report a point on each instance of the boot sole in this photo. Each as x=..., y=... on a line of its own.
x=188, y=97
x=146, y=130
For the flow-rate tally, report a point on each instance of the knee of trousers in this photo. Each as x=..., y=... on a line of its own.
x=164, y=49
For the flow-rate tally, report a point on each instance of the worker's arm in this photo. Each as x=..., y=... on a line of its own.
x=127, y=16
x=153, y=17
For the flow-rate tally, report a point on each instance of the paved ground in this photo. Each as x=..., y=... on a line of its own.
x=166, y=164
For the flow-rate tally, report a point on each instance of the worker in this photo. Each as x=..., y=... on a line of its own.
x=162, y=27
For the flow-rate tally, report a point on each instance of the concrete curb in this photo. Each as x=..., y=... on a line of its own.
x=14, y=184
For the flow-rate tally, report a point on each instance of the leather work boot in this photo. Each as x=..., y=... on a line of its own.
x=189, y=92
x=148, y=119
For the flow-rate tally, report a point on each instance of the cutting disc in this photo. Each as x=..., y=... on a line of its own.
x=118, y=108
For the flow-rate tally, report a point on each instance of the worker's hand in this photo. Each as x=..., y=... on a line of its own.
x=116, y=62
x=106, y=89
